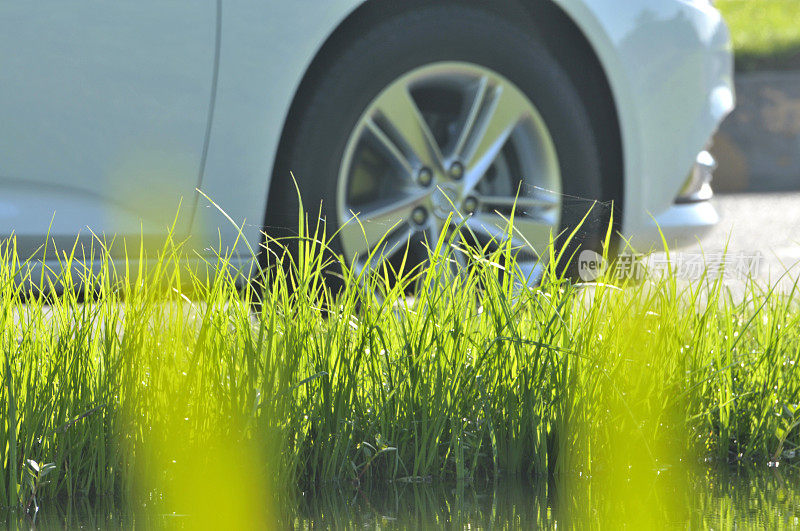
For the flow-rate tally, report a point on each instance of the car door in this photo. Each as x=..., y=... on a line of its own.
x=104, y=107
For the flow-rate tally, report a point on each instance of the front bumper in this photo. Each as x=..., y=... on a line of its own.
x=690, y=218
x=681, y=225
x=670, y=64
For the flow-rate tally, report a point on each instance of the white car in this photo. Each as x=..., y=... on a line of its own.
x=114, y=114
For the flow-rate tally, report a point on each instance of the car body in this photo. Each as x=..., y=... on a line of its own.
x=113, y=114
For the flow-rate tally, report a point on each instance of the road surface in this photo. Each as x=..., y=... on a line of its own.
x=765, y=223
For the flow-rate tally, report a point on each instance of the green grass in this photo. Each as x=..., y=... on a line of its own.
x=766, y=33
x=164, y=388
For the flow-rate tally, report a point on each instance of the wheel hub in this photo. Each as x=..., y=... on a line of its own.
x=445, y=199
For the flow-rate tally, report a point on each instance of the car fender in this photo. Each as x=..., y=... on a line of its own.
x=266, y=49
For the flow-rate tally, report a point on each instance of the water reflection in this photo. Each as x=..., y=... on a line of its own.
x=745, y=498
x=719, y=500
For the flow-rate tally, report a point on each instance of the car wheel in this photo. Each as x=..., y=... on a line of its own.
x=440, y=109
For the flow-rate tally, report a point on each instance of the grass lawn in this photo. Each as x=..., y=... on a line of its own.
x=766, y=33
x=199, y=405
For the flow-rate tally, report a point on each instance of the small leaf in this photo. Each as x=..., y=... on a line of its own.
x=33, y=464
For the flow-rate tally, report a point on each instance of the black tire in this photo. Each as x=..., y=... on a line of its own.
x=407, y=40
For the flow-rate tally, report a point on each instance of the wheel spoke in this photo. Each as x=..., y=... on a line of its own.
x=402, y=116
x=472, y=116
x=500, y=112
x=364, y=230
x=521, y=203
x=527, y=233
x=390, y=147
x=530, y=270
x=452, y=261
x=384, y=249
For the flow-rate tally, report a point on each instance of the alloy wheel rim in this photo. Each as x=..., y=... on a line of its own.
x=447, y=145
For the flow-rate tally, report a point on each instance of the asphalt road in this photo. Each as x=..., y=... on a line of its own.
x=765, y=223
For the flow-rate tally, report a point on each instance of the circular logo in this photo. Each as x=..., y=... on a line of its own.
x=591, y=265
x=444, y=198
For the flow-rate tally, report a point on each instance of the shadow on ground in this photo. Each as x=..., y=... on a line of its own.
x=758, y=145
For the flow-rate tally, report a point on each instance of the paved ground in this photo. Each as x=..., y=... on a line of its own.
x=766, y=223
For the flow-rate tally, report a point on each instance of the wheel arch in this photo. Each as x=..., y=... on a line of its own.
x=568, y=43
x=549, y=22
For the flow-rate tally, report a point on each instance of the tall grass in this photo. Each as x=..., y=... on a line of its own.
x=164, y=386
